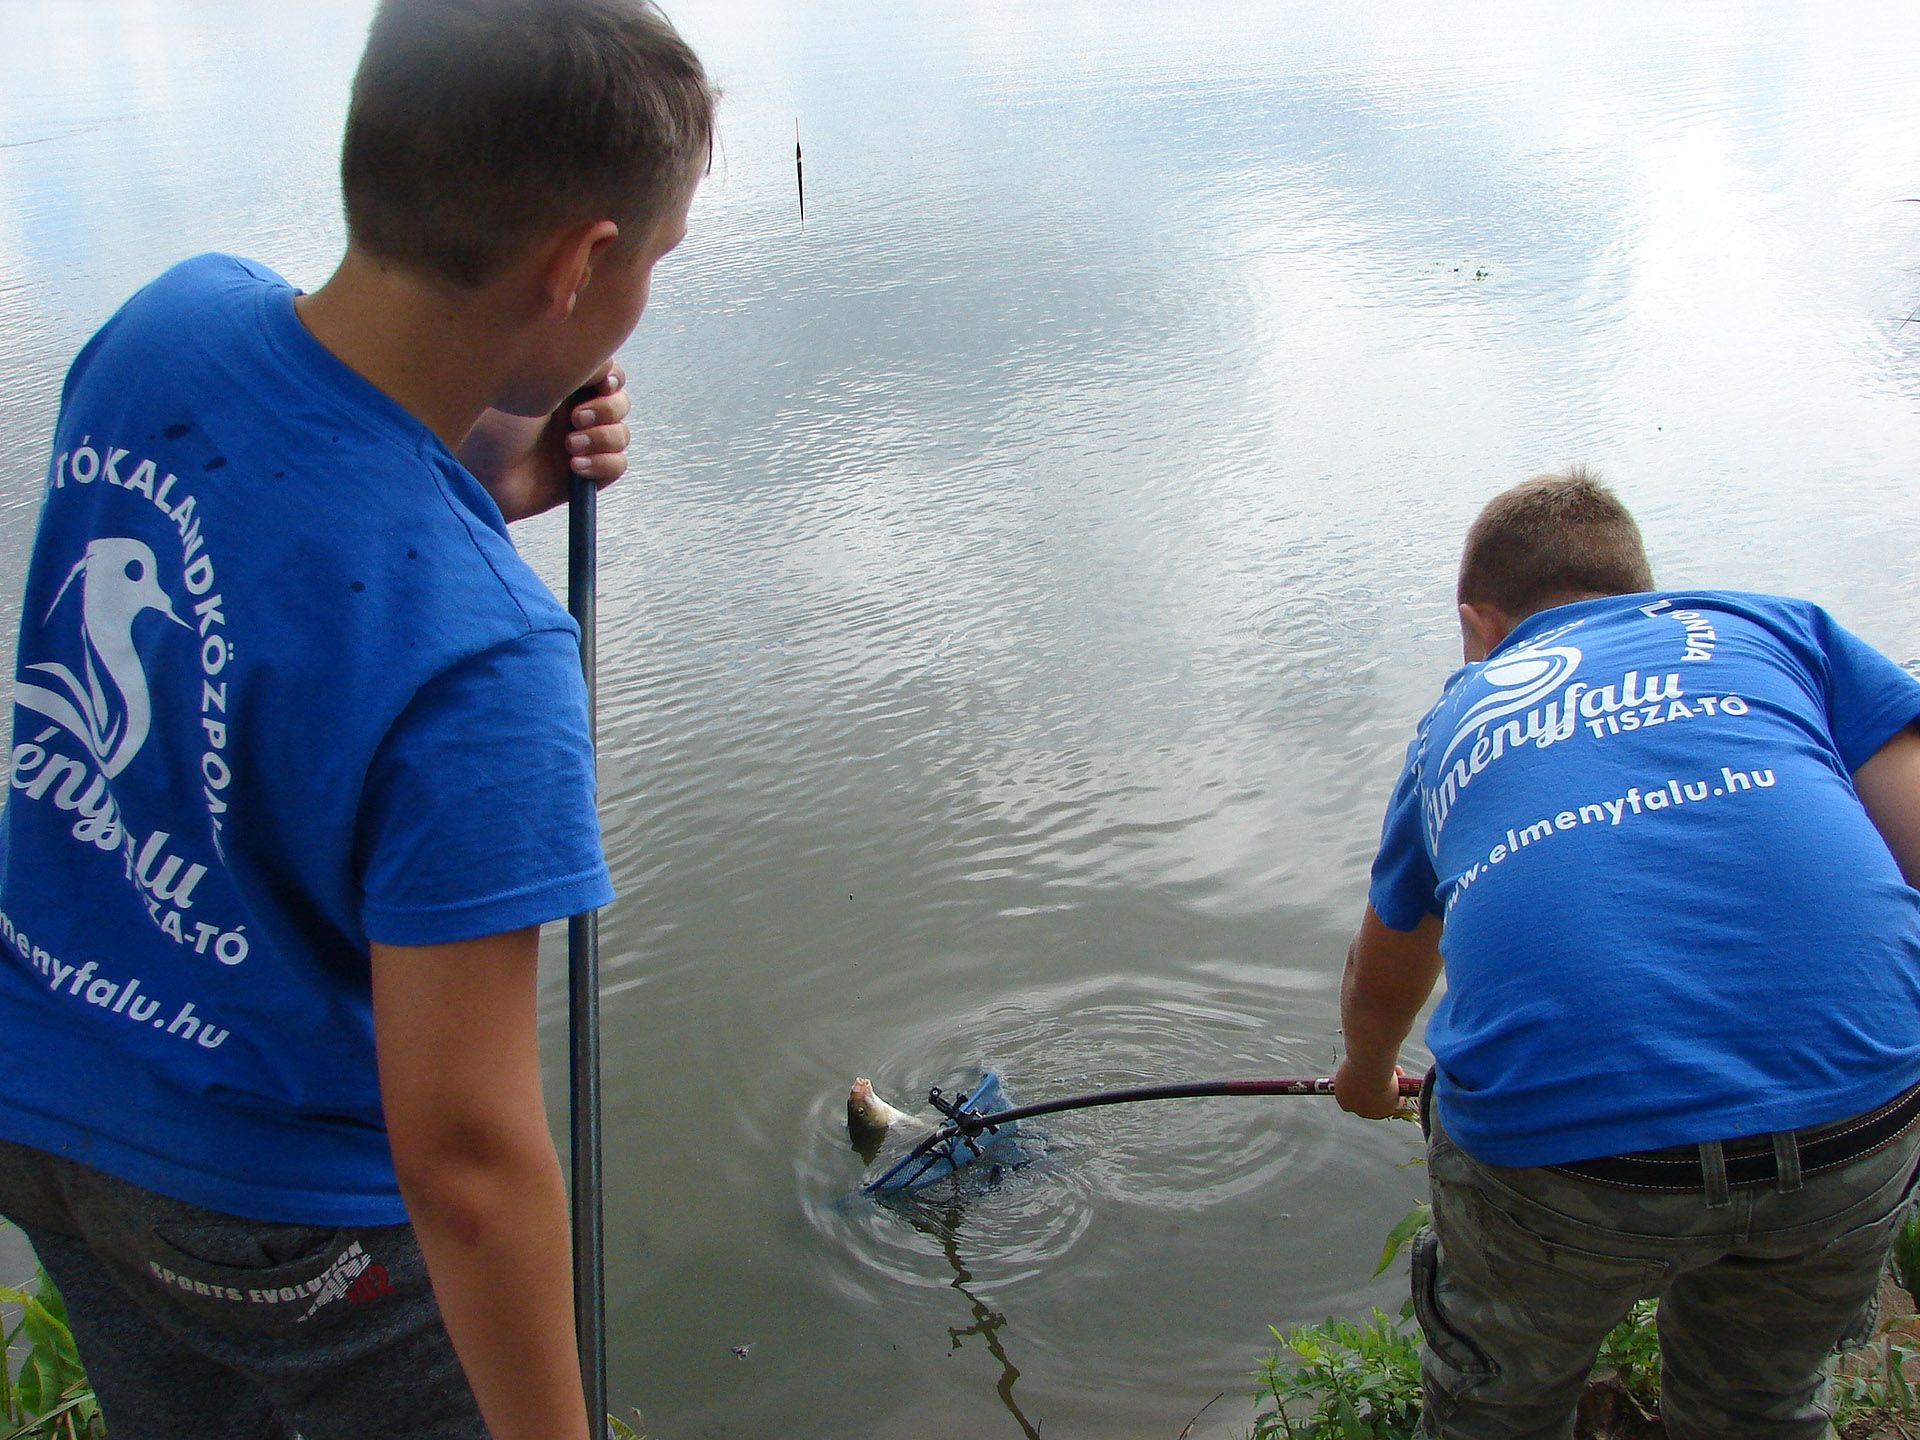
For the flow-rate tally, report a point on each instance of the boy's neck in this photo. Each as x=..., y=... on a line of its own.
x=437, y=352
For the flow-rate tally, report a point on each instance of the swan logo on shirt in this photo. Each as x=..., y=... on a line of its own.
x=1518, y=682
x=91, y=669
x=106, y=704
x=1534, y=701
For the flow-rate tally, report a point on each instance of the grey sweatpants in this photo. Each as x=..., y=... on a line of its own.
x=1524, y=1272
x=195, y=1325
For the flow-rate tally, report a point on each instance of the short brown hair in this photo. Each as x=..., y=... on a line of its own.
x=1549, y=539
x=476, y=126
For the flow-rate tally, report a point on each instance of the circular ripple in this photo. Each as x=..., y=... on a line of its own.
x=1094, y=1034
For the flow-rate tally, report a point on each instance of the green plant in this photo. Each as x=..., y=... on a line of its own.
x=48, y=1397
x=1906, y=1253
x=1632, y=1352
x=1342, y=1381
x=1866, y=1398
x=1401, y=1236
x=1345, y=1381
x=1872, y=1392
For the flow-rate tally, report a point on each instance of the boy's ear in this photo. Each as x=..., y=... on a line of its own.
x=567, y=268
x=1482, y=628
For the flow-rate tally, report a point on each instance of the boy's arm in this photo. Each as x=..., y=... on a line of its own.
x=528, y=465
x=1888, y=785
x=1389, y=975
x=454, y=1028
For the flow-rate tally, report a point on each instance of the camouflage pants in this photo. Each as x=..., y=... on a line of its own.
x=1524, y=1272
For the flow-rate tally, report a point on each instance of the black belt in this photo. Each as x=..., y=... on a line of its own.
x=1755, y=1161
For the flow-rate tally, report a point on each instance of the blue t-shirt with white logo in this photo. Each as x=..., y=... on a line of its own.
x=1667, y=918
x=284, y=688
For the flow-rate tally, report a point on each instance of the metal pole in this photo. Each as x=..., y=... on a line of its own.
x=583, y=1009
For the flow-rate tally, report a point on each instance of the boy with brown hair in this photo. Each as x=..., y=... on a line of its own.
x=1665, y=845
x=300, y=759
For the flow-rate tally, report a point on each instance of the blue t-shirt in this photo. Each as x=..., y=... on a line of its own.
x=1667, y=918
x=284, y=688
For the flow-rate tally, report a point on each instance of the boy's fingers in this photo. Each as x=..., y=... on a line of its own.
x=597, y=447
x=600, y=439
x=602, y=469
x=602, y=410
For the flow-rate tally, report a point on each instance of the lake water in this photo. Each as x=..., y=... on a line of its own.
x=1031, y=569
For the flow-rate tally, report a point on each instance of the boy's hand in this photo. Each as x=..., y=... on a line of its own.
x=1366, y=1095
x=528, y=465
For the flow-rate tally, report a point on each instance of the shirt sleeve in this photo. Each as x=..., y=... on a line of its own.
x=478, y=817
x=1869, y=698
x=1404, y=888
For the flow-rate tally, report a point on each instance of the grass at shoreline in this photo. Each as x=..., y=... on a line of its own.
x=1360, y=1380
x=1335, y=1380
x=44, y=1392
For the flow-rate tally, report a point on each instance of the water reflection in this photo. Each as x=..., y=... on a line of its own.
x=987, y=1321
